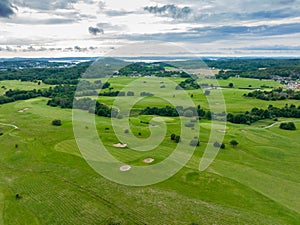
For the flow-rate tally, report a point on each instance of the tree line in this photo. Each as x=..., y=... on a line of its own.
x=151, y=69
x=256, y=114
x=177, y=111
x=52, y=76
x=274, y=95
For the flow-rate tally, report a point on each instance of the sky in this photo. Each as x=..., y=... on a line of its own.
x=59, y=28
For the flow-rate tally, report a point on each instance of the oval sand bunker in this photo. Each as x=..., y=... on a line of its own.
x=125, y=168
x=148, y=160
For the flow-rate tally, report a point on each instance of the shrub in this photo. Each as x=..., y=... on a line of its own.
x=195, y=142
x=177, y=139
x=287, y=126
x=217, y=145
x=188, y=113
x=173, y=137
x=223, y=146
x=189, y=124
x=207, y=92
x=194, y=120
x=56, y=123
x=234, y=143
x=130, y=93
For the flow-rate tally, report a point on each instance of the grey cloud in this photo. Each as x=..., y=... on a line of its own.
x=46, y=4
x=172, y=11
x=95, y=30
x=109, y=26
x=80, y=49
x=212, y=34
x=212, y=11
x=117, y=12
x=262, y=30
x=111, y=12
x=287, y=1
x=101, y=5
x=272, y=47
x=41, y=21
x=6, y=8
x=7, y=49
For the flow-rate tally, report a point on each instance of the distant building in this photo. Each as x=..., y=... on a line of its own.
x=293, y=85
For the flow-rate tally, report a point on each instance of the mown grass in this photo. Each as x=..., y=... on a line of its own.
x=5, y=85
x=256, y=182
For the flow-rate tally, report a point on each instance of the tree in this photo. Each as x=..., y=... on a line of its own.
x=195, y=142
x=207, y=92
x=177, y=139
x=56, y=123
x=287, y=126
x=188, y=113
x=234, y=143
x=18, y=196
x=173, y=137
x=217, y=145
x=230, y=85
x=130, y=93
x=223, y=146
x=126, y=131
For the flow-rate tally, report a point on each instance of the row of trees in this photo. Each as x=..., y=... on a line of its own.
x=151, y=69
x=123, y=93
x=177, y=111
x=274, y=95
x=271, y=112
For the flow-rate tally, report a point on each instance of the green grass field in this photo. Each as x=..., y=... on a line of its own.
x=15, y=84
x=256, y=182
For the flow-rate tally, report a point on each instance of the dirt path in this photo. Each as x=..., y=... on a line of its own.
x=10, y=125
x=273, y=124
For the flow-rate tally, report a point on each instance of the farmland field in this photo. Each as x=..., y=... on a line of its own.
x=256, y=182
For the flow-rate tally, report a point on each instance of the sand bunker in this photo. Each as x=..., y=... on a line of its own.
x=120, y=145
x=23, y=110
x=148, y=160
x=125, y=168
x=222, y=131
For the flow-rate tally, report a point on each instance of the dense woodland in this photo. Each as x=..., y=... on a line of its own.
x=54, y=76
x=151, y=69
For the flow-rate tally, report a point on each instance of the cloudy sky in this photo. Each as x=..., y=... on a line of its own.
x=54, y=28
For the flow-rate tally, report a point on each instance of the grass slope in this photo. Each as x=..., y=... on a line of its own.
x=255, y=183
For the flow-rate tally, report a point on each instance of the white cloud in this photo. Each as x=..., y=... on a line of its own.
x=212, y=23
